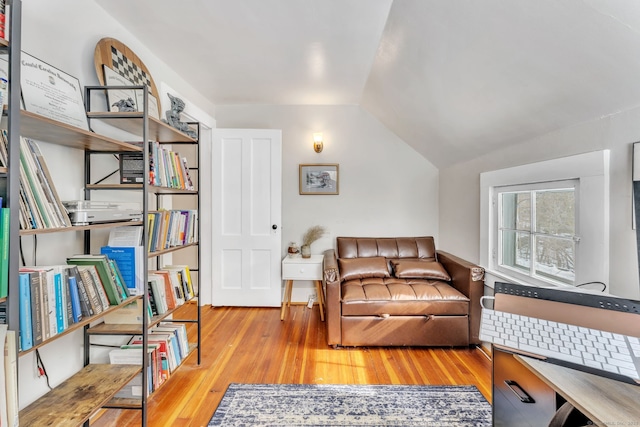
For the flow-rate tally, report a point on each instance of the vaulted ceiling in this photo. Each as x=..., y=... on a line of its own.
x=455, y=79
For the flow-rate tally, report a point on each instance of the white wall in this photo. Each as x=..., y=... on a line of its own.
x=64, y=34
x=386, y=188
x=460, y=190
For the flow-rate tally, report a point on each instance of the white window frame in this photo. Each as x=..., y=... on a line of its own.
x=573, y=184
x=591, y=170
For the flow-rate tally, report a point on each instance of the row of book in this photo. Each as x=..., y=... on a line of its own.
x=167, y=289
x=40, y=205
x=168, y=169
x=167, y=347
x=52, y=298
x=171, y=228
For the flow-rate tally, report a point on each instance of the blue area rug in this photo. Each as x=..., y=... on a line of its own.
x=351, y=405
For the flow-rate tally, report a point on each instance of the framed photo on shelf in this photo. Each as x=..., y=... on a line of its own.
x=319, y=179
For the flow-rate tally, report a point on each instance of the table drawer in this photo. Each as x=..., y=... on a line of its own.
x=291, y=271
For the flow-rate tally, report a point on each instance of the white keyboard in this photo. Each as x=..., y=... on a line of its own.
x=592, y=350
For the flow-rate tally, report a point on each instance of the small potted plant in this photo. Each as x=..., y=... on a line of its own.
x=310, y=236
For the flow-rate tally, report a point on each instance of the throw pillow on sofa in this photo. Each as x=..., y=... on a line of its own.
x=362, y=268
x=415, y=269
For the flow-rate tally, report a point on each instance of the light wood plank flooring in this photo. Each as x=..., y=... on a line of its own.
x=252, y=345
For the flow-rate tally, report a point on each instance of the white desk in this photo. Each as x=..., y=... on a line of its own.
x=298, y=268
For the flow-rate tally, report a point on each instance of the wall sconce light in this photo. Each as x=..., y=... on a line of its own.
x=317, y=142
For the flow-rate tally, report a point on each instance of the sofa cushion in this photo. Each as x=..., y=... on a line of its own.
x=419, y=269
x=401, y=297
x=362, y=268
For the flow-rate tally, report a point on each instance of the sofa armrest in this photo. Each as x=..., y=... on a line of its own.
x=331, y=275
x=467, y=278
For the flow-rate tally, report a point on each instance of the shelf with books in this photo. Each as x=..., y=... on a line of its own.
x=139, y=172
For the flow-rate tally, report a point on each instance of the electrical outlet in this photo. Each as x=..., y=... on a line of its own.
x=312, y=299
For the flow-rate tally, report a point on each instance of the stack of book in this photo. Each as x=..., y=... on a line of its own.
x=40, y=206
x=168, y=169
x=172, y=228
x=52, y=298
x=167, y=348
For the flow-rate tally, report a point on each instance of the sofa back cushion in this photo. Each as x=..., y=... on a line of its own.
x=362, y=268
x=418, y=269
x=422, y=248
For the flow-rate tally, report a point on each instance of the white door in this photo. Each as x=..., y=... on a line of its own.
x=246, y=217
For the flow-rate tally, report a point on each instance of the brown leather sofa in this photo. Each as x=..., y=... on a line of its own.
x=400, y=292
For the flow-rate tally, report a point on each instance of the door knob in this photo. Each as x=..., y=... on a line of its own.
x=275, y=227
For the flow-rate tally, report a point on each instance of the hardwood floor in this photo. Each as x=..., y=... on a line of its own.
x=252, y=345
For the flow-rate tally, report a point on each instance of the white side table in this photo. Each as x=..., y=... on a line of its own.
x=298, y=268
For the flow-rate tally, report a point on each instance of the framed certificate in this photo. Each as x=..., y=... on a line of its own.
x=51, y=92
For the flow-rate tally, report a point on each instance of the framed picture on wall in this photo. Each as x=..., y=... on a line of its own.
x=319, y=179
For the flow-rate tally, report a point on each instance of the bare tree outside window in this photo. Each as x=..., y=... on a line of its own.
x=538, y=229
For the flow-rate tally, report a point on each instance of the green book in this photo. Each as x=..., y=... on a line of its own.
x=4, y=252
x=101, y=263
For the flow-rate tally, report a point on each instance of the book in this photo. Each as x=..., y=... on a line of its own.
x=5, y=215
x=130, y=262
x=26, y=328
x=74, y=293
x=11, y=378
x=125, y=236
x=86, y=308
x=46, y=306
x=3, y=389
x=119, y=281
x=36, y=307
x=156, y=283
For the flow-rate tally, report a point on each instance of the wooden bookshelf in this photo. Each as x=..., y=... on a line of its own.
x=85, y=392
x=79, y=227
x=42, y=128
x=132, y=123
x=151, y=188
x=173, y=249
x=129, y=329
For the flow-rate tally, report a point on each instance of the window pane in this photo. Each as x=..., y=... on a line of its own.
x=516, y=250
x=555, y=258
x=516, y=210
x=555, y=212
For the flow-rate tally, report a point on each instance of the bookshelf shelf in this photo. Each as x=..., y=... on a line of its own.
x=150, y=188
x=174, y=249
x=130, y=328
x=90, y=388
x=132, y=122
x=3, y=170
x=44, y=129
x=79, y=228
